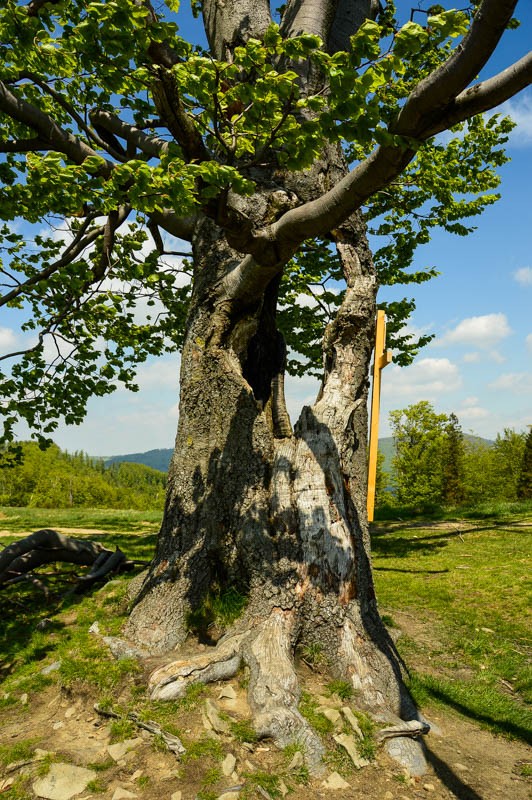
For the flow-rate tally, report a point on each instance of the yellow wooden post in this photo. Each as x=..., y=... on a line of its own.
x=382, y=357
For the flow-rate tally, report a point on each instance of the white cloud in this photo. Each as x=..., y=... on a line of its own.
x=473, y=413
x=523, y=276
x=485, y=331
x=528, y=341
x=471, y=358
x=520, y=110
x=160, y=374
x=425, y=379
x=514, y=382
x=8, y=339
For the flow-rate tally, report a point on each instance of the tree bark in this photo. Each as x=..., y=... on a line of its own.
x=280, y=514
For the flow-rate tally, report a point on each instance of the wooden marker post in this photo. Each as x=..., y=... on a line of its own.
x=382, y=357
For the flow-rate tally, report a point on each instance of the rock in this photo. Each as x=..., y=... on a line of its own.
x=57, y=725
x=283, y=788
x=95, y=627
x=228, y=765
x=51, y=668
x=352, y=720
x=176, y=795
x=297, y=761
x=349, y=744
x=229, y=794
x=70, y=712
x=429, y=787
x=63, y=782
x=137, y=774
x=122, y=794
x=212, y=714
x=121, y=649
x=41, y=754
x=332, y=714
x=335, y=781
x=118, y=751
x=409, y=753
x=227, y=693
x=461, y=767
x=388, y=796
x=24, y=699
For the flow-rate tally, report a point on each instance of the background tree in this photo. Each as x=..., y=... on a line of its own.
x=420, y=441
x=269, y=151
x=524, y=485
x=453, y=477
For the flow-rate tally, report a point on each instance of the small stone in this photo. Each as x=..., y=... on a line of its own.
x=227, y=693
x=70, y=712
x=136, y=775
x=218, y=724
x=63, y=781
x=122, y=794
x=283, y=788
x=51, y=668
x=230, y=794
x=176, y=795
x=297, y=761
x=41, y=754
x=335, y=781
x=6, y=783
x=24, y=699
x=94, y=628
x=228, y=764
x=429, y=787
x=57, y=725
x=118, y=751
x=349, y=744
x=332, y=714
x=248, y=746
x=461, y=767
x=352, y=720
x=388, y=796
x=249, y=765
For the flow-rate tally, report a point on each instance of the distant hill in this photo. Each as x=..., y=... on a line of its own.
x=156, y=459
x=160, y=459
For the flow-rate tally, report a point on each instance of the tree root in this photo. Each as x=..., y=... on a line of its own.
x=266, y=648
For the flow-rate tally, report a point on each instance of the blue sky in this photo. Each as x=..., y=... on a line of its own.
x=479, y=364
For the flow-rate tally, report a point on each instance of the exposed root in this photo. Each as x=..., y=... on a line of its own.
x=171, y=680
x=266, y=647
x=273, y=689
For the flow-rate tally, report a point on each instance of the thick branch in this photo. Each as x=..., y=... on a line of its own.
x=170, y=108
x=151, y=145
x=310, y=16
x=433, y=95
x=233, y=22
x=488, y=94
x=47, y=129
x=24, y=145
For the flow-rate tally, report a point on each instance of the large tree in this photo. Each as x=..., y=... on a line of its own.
x=269, y=150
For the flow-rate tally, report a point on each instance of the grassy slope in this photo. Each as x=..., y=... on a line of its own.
x=466, y=586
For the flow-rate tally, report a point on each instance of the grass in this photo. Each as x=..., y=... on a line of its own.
x=469, y=583
x=27, y=520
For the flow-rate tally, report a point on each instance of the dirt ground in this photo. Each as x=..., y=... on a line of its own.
x=465, y=761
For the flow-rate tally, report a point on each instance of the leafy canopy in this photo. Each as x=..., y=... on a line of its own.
x=88, y=167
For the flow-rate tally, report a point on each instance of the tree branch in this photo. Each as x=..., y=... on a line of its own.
x=150, y=145
x=24, y=145
x=166, y=96
x=488, y=94
x=47, y=129
x=78, y=119
x=431, y=98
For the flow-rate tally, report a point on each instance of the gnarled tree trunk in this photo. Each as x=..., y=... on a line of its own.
x=278, y=513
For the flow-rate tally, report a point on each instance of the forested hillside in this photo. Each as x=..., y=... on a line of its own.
x=54, y=479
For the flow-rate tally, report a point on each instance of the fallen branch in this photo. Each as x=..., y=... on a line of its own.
x=172, y=742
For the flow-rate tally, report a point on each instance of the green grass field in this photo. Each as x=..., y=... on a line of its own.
x=459, y=590
x=465, y=588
